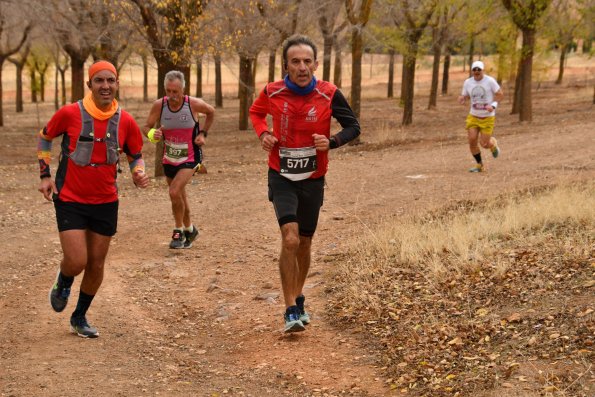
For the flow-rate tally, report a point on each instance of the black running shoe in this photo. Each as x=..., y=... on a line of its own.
x=58, y=295
x=292, y=320
x=304, y=316
x=80, y=326
x=190, y=237
x=177, y=239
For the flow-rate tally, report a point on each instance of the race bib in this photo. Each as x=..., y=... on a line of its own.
x=297, y=163
x=176, y=152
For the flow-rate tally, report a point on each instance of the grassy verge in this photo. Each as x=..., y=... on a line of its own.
x=493, y=297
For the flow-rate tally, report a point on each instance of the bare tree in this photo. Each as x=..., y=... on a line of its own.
x=411, y=19
x=526, y=14
x=169, y=27
x=19, y=60
x=13, y=36
x=358, y=19
x=328, y=16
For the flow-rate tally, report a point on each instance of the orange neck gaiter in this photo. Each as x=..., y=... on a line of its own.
x=97, y=113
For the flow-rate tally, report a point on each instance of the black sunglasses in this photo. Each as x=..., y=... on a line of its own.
x=476, y=69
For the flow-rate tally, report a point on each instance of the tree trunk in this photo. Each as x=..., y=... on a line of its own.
x=501, y=67
x=33, y=87
x=199, y=77
x=145, y=77
x=526, y=109
x=56, y=88
x=432, y=103
x=42, y=86
x=356, y=70
x=391, y=73
x=446, y=72
x=2, y=59
x=77, y=89
x=337, y=74
x=407, y=88
x=19, y=87
x=218, y=88
x=326, y=60
x=272, y=61
x=63, y=82
x=563, y=52
x=471, y=51
x=516, y=100
x=246, y=90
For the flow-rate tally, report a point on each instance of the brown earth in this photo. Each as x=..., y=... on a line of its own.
x=207, y=321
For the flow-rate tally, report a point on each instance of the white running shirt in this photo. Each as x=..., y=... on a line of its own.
x=481, y=93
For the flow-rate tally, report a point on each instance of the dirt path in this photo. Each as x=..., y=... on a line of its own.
x=207, y=321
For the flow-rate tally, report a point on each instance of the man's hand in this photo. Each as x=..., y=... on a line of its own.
x=140, y=179
x=47, y=187
x=199, y=140
x=462, y=99
x=268, y=141
x=321, y=142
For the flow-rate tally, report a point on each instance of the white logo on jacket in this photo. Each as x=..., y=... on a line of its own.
x=312, y=115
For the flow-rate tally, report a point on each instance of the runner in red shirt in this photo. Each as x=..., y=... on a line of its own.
x=301, y=108
x=95, y=131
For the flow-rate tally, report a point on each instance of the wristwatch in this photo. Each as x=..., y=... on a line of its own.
x=205, y=133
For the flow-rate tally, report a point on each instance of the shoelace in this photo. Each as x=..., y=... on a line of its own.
x=65, y=292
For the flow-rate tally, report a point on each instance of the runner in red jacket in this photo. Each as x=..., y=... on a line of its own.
x=298, y=143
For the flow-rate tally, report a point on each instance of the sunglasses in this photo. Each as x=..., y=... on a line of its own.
x=476, y=69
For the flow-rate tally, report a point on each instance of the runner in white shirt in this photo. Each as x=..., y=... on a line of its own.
x=485, y=93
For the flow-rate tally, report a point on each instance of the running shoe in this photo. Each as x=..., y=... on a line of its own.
x=177, y=239
x=190, y=237
x=292, y=320
x=304, y=317
x=477, y=168
x=58, y=295
x=80, y=326
x=495, y=151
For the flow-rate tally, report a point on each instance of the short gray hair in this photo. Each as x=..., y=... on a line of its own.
x=174, y=75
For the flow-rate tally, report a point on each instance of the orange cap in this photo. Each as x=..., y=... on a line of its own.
x=99, y=66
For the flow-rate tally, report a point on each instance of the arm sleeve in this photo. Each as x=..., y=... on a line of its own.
x=133, y=146
x=345, y=116
x=44, y=154
x=258, y=113
x=55, y=127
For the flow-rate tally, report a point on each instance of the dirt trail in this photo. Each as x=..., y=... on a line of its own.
x=207, y=321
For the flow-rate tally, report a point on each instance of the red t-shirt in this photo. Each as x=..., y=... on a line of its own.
x=91, y=184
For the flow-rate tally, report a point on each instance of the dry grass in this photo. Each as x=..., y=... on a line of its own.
x=455, y=241
x=480, y=298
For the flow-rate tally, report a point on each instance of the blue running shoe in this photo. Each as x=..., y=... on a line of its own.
x=58, y=295
x=495, y=151
x=80, y=326
x=292, y=320
x=304, y=316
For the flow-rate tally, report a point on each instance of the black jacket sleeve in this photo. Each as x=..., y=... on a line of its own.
x=345, y=116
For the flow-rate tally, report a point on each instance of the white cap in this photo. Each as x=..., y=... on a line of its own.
x=477, y=64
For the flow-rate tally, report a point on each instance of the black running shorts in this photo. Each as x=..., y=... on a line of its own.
x=99, y=218
x=296, y=201
x=170, y=171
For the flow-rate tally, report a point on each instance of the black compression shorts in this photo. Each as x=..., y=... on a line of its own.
x=296, y=201
x=99, y=218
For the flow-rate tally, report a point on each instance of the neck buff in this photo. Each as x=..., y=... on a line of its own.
x=300, y=90
x=97, y=113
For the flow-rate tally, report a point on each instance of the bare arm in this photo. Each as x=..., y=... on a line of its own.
x=197, y=106
x=154, y=116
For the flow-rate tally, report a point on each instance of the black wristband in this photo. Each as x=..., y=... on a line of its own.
x=46, y=175
x=205, y=133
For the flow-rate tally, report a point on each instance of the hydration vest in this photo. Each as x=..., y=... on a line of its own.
x=83, y=150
